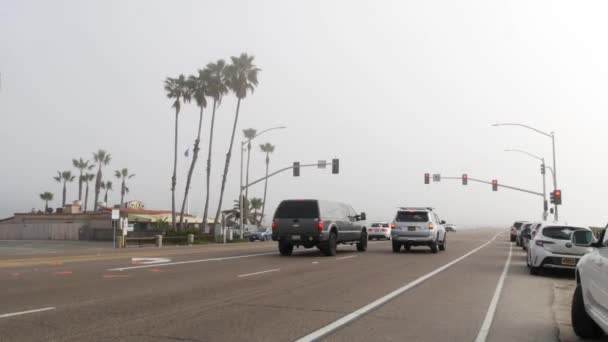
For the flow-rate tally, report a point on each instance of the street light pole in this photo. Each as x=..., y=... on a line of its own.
x=241, y=187
x=550, y=135
x=543, y=166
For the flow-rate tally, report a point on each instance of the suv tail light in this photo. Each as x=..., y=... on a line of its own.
x=320, y=225
x=431, y=226
x=393, y=226
x=541, y=243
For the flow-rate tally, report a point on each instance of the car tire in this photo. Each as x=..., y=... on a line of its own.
x=534, y=270
x=443, y=243
x=582, y=323
x=362, y=244
x=434, y=248
x=407, y=247
x=396, y=247
x=331, y=247
x=285, y=248
x=513, y=238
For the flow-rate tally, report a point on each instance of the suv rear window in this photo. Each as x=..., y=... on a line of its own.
x=379, y=225
x=412, y=216
x=297, y=209
x=559, y=233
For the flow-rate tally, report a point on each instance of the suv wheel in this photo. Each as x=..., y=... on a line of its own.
x=362, y=244
x=396, y=247
x=583, y=325
x=285, y=248
x=331, y=247
x=433, y=246
x=444, y=242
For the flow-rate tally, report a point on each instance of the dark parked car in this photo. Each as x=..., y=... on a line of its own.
x=317, y=223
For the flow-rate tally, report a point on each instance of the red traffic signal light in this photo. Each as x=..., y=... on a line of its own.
x=494, y=185
x=427, y=178
x=465, y=179
x=557, y=196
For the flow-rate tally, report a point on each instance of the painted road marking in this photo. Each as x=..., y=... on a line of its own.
x=256, y=273
x=26, y=312
x=148, y=261
x=330, y=328
x=346, y=257
x=113, y=276
x=191, y=261
x=487, y=322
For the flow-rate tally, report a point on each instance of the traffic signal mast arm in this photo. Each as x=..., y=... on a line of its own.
x=277, y=172
x=500, y=185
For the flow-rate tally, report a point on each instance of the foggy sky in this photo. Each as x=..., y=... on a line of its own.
x=392, y=88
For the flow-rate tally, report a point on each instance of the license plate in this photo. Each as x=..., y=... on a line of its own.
x=295, y=237
x=569, y=261
x=411, y=229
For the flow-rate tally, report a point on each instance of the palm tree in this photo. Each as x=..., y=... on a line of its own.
x=82, y=166
x=241, y=78
x=124, y=175
x=46, y=197
x=267, y=148
x=255, y=204
x=198, y=89
x=249, y=134
x=64, y=177
x=102, y=158
x=86, y=178
x=107, y=186
x=216, y=89
x=177, y=90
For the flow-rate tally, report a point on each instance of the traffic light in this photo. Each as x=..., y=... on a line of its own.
x=296, y=169
x=557, y=197
x=552, y=197
x=427, y=178
x=494, y=185
x=335, y=166
x=542, y=169
x=465, y=179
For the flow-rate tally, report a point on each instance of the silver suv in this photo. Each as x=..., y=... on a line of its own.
x=418, y=227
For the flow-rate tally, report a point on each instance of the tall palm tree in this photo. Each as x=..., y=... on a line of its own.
x=177, y=90
x=64, y=177
x=82, y=166
x=123, y=175
x=46, y=197
x=241, y=77
x=249, y=134
x=216, y=89
x=198, y=88
x=102, y=158
x=87, y=178
x=107, y=186
x=255, y=204
x=267, y=148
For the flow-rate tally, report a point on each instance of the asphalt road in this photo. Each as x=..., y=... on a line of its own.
x=247, y=292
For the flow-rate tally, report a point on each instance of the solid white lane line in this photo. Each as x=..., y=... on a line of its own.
x=487, y=322
x=190, y=261
x=26, y=312
x=330, y=328
x=256, y=273
x=346, y=257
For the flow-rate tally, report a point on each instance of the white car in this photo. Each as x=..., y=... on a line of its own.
x=379, y=230
x=450, y=228
x=514, y=228
x=590, y=300
x=519, y=241
x=418, y=227
x=552, y=248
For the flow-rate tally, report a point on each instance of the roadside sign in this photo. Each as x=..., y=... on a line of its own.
x=436, y=177
x=322, y=164
x=130, y=227
x=115, y=214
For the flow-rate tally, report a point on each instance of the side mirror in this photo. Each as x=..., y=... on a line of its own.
x=362, y=217
x=583, y=238
x=443, y=222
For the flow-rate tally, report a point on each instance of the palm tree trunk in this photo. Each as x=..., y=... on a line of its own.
x=265, y=188
x=105, y=197
x=192, y=165
x=174, y=177
x=86, y=197
x=209, y=165
x=227, y=165
x=46, y=206
x=97, y=187
x=64, y=194
x=246, y=216
x=123, y=188
x=80, y=186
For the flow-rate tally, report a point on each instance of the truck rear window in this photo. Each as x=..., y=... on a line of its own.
x=559, y=233
x=297, y=210
x=412, y=216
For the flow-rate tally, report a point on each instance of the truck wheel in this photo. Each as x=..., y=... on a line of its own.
x=396, y=247
x=285, y=248
x=331, y=247
x=583, y=325
x=362, y=244
x=407, y=247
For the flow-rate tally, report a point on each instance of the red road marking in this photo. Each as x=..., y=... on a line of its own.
x=135, y=263
x=109, y=276
x=154, y=270
x=63, y=272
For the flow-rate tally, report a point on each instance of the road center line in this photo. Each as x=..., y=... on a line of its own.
x=346, y=257
x=26, y=312
x=190, y=262
x=256, y=273
x=487, y=322
x=330, y=328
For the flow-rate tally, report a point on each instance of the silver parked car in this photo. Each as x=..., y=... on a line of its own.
x=418, y=227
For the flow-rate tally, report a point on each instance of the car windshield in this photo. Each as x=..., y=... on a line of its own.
x=559, y=232
x=379, y=225
x=297, y=210
x=412, y=216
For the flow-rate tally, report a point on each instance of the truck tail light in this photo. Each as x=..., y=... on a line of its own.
x=320, y=225
x=274, y=225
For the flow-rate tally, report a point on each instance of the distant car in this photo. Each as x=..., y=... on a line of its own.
x=518, y=238
x=264, y=235
x=379, y=230
x=516, y=226
x=318, y=223
x=528, y=233
x=590, y=300
x=418, y=227
x=552, y=248
x=450, y=228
